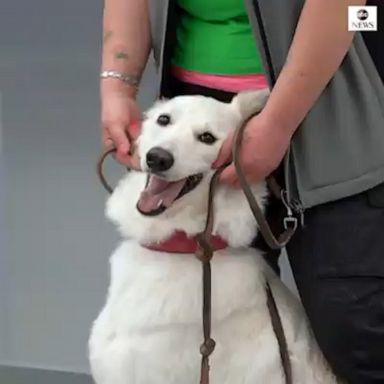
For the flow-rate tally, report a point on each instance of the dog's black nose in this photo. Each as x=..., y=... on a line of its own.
x=159, y=160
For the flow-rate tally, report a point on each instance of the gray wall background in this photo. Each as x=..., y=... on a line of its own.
x=54, y=241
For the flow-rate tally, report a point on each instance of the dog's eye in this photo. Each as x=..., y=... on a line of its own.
x=164, y=120
x=206, y=138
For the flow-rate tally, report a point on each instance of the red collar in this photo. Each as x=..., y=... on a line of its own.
x=179, y=242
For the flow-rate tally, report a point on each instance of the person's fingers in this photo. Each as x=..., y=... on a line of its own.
x=135, y=129
x=229, y=177
x=130, y=161
x=225, y=153
x=131, y=157
x=135, y=160
x=252, y=175
x=106, y=140
x=133, y=132
x=119, y=137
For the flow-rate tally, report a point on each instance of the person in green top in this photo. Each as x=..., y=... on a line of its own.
x=215, y=37
x=315, y=66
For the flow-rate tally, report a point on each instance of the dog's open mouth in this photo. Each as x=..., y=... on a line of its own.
x=160, y=194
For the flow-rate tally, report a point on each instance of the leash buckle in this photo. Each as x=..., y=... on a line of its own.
x=290, y=222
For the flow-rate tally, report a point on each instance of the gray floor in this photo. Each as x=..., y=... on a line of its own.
x=35, y=376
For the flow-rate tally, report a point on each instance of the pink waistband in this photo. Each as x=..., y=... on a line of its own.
x=228, y=83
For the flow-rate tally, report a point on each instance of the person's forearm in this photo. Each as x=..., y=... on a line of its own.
x=320, y=43
x=126, y=38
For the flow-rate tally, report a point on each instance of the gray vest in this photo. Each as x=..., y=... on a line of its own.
x=339, y=149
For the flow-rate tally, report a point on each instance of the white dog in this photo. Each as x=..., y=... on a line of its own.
x=150, y=331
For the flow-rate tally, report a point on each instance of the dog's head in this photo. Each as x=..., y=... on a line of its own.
x=181, y=138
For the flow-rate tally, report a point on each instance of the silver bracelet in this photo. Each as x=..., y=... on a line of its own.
x=128, y=79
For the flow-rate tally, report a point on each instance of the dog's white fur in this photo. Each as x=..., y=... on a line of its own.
x=149, y=331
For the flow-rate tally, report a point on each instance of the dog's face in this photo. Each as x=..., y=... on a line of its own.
x=181, y=138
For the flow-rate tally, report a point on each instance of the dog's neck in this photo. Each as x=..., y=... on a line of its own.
x=233, y=222
x=180, y=242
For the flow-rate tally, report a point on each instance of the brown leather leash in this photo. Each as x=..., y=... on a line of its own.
x=205, y=254
x=264, y=227
x=100, y=170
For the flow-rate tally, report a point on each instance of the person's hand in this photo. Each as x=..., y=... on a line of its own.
x=263, y=147
x=120, y=118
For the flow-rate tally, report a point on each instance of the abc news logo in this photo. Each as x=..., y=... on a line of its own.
x=362, y=18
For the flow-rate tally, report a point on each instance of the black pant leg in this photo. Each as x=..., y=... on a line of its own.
x=338, y=264
x=180, y=88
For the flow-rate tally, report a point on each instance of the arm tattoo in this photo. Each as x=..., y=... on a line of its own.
x=121, y=55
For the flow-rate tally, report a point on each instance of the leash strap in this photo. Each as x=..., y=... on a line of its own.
x=204, y=253
x=100, y=169
x=278, y=329
x=272, y=242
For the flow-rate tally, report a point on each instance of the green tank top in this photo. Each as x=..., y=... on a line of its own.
x=215, y=37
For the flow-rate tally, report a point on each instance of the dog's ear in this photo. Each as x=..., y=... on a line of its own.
x=248, y=103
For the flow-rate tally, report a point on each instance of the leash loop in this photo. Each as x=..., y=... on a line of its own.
x=100, y=169
x=264, y=227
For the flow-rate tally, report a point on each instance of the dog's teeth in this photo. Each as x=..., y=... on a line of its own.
x=160, y=204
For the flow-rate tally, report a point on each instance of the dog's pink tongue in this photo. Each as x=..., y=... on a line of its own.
x=159, y=192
